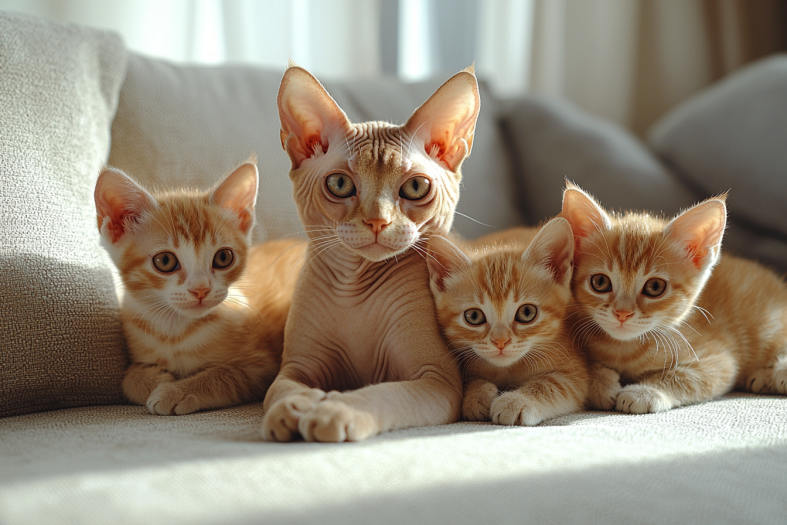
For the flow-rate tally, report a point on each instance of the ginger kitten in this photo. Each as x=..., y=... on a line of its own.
x=203, y=311
x=502, y=307
x=658, y=319
x=363, y=352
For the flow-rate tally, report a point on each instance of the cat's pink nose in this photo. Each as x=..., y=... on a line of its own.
x=623, y=315
x=501, y=343
x=377, y=225
x=200, y=293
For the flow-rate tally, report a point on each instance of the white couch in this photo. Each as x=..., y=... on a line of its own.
x=72, y=98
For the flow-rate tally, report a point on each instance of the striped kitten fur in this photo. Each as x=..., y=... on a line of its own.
x=663, y=327
x=203, y=311
x=502, y=304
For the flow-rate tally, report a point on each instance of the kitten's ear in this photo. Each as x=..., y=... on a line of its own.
x=445, y=124
x=238, y=193
x=444, y=258
x=700, y=229
x=553, y=247
x=119, y=202
x=582, y=212
x=310, y=118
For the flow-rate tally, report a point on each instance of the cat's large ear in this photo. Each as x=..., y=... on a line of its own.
x=445, y=124
x=119, y=202
x=443, y=259
x=553, y=247
x=700, y=229
x=310, y=118
x=237, y=192
x=582, y=212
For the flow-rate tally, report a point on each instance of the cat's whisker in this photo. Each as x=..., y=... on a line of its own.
x=474, y=220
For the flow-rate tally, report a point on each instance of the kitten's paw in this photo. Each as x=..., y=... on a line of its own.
x=513, y=408
x=170, y=399
x=641, y=399
x=760, y=382
x=333, y=421
x=604, y=388
x=280, y=422
x=779, y=380
x=478, y=400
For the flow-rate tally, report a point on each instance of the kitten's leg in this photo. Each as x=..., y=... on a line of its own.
x=434, y=398
x=214, y=387
x=543, y=397
x=689, y=382
x=478, y=397
x=142, y=379
x=604, y=387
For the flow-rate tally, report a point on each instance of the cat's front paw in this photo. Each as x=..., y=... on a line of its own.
x=333, y=421
x=280, y=422
x=760, y=382
x=478, y=399
x=604, y=388
x=641, y=399
x=513, y=408
x=170, y=399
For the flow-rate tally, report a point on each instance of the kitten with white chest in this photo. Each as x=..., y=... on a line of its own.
x=501, y=304
x=664, y=318
x=203, y=310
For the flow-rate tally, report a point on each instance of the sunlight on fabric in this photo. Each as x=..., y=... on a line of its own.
x=290, y=481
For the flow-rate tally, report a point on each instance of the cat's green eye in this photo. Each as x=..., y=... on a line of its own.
x=340, y=185
x=415, y=188
x=526, y=313
x=601, y=283
x=166, y=262
x=475, y=317
x=223, y=258
x=654, y=287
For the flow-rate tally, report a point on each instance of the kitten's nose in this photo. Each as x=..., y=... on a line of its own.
x=501, y=343
x=377, y=225
x=623, y=315
x=200, y=293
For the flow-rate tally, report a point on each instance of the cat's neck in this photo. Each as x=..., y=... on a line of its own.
x=350, y=274
x=167, y=322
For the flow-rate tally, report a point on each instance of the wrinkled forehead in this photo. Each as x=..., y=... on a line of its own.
x=380, y=149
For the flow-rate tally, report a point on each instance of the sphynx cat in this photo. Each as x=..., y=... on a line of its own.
x=363, y=352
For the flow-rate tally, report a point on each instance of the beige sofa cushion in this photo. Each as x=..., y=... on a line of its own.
x=188, y=125
x=61, y=343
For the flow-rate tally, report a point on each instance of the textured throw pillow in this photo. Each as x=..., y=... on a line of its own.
x=552, y=141
x=61, y=342
x=189, y=125
x=733, y=136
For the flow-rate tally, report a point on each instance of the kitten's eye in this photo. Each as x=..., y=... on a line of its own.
x=223, y=258
x=166, y=262
x=654, y=287
x=601, y=283
x=340, y=185
x=475, y=317
x=415, y=189
x=526, y=313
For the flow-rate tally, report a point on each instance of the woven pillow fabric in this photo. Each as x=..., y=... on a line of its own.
x=61, y=342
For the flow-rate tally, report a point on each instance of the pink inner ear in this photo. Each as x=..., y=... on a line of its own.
x=309, y=116
x=120, y=200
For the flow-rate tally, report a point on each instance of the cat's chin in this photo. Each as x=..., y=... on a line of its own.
x=623, y=333
x=197, y=311
x=377, y=252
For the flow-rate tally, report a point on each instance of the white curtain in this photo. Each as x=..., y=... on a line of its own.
x=625, y=60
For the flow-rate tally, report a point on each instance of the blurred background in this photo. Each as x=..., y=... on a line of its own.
x=625, y=60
